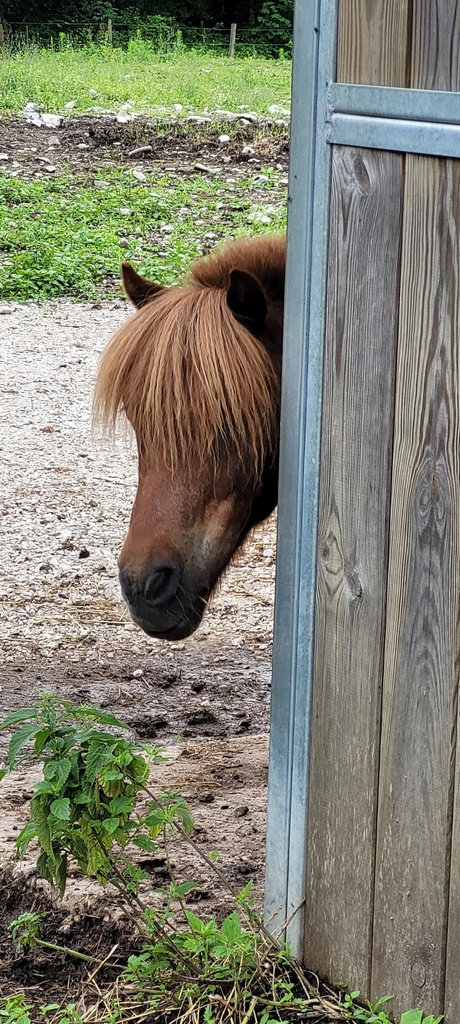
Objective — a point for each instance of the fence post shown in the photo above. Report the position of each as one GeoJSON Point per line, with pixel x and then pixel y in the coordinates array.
{"type": "Point", "coordinates": [109, 32]}
{"type": "Point", "coordinates": [231, 45]}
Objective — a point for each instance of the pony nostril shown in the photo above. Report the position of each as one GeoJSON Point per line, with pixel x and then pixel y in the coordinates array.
{"type": "Point", "coordinates": [161, 584]}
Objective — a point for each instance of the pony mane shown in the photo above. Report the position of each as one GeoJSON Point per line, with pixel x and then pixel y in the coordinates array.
{"type": "Point", "coordinates": [192, 380]}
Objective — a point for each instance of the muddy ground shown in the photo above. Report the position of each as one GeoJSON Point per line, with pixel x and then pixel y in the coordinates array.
{"type": "Point", "coordinates": [65, 499]}
{"type": "Point", "coordinates": [84, 142]}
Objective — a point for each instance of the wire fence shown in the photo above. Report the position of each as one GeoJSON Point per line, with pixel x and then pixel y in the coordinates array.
{"type": "Point", "coordinates": [161, 33]}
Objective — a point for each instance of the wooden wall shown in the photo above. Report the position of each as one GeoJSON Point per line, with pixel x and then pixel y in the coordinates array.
{"type": "Point", "coordinates": [383, 888]}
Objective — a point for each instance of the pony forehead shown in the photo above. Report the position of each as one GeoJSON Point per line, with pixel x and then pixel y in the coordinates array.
{"type": "Point", "coordinates": [191, 379]}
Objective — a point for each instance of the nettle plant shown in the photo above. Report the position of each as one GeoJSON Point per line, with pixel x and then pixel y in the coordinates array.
{"type": "Point", "coordinates": [94, 807]}
{"type": "Point", "coordinates": [86, 809]}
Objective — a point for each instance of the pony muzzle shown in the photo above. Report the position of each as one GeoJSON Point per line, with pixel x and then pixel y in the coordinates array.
{"type": "Point", "coordinates": [160, 603]}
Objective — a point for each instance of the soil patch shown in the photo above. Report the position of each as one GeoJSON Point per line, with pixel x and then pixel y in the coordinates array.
{"type": "Point", "coordinates": [84, 142]}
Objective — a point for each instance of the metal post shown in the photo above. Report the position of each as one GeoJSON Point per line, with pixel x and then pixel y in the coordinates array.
{"type": "Point", "coordinates": [231, 45]}
{"type": "Point", "coordinates": [309, 185]}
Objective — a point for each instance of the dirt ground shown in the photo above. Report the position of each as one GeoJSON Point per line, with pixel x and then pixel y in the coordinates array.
{"type": "Point", "coordinates": [83, 142]}
{"type": "Point", "coordinates": [65, 499]}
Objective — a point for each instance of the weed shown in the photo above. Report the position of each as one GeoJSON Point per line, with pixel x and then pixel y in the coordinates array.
{"type": "Point", "coordinates": [85, 809]}
{"type": "Point", "coordinates": [14, 1010]}
{"type": "Point", "coordinates": [65, 237]}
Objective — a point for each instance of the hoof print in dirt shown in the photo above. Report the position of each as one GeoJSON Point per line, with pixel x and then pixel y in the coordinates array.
{"type": "Point", "coordinates": [149, 728]}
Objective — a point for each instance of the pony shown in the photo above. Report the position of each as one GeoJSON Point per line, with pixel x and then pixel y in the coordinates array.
{"type": "Point", "coordinates": [197, 371]}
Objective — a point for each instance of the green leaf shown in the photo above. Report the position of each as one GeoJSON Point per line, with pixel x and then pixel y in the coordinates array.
{"type": "Point", "coordinates": [144, 843]}
{"type": "Point", "coordinates": [110, 824]}
{"type": "Point", "coordinates": [195, 922]}
{"type": "Point", "coordinates": [60, 872]}
{"type": "Point", "coordinates": [45, 867]}
{"type": "Point", "coordinates": [184, 888]}
{"type": "Point", "coordinates": [381, 1002]}
{"type": "Point", "coordinates": [41, 740]}
{"type": "Point", "coordinates": [82, 798]}
{"type": "Point", "coordinates": [101, 717]}
{"type": "Point", "coordinates": [44, 786]}
{"type": "Point", "coordinates": [121, 804]}
{"type": "Point", "coordinates": [39, 810]}
{"type": "Point", "coordinates": [138, 769]}
{"type": "Point", "coordinates": [60, 808]}
{"type": "Point", "coordinates": [416, 1017]}
{"type": "Point", "coordinates": [19, 739]}
{"type": "Point", "coordinates": [97, 757]}
{"type": "Point", "coordinates": [62, 771]}
{"type": "Point", "coordinates": [18, 716]}
{"type": "Point", "coordinates": [23, 839]}
{"type": "Point", "coordinates": [231, 928]}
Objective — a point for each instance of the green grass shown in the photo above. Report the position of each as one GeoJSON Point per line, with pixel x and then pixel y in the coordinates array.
{"type": "Point", "coordinates": [138, 75]}
{"type": "Point", "coordinates": [62, 237]}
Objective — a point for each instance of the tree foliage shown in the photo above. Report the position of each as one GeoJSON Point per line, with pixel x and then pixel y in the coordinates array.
{"type": "Point", "coordinates": [267, 22]}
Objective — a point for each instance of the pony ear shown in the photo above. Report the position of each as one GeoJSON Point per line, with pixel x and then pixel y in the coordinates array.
{"type": "Point", "coordinates": [138, 290]}
{"type": "Point", "coordinates": [246, 299]}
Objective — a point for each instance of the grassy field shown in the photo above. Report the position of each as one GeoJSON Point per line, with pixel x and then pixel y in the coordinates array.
{"type": "Point", "coordinates": [60, 236]}
{"type": "Point", "coordinates": [68, 234]}
{"type": "Point", "coordinates": [151, 82]}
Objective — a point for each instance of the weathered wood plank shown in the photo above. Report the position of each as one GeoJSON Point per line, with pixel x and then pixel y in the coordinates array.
{"type": "Point", "coordinates": [354, 507]}
{"type": "Point", "coordinates": [418, 727]}
{"type": "Point", "coordinates": [435, 57]}
{"type": "Point", "coordinates": [372, 42]}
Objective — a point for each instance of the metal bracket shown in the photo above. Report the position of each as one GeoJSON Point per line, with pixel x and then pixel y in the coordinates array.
{"type": "Point", "coordinates": [402, 120]}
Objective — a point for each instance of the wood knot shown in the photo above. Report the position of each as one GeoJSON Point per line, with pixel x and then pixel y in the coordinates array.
{"type": "Point", "coordinates": [353, 580]}
{"type": "Point", "coordinates": [361, 175]}
{"type": "Point", "coordinates": [418, 973]}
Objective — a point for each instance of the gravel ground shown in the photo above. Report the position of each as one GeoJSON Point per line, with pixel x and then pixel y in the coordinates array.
{"type": "Point", "coordinates": [65, 503]}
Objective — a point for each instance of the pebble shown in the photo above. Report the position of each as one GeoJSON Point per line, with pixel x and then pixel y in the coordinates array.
{"type": "Point", "coordinates": [247, 151]}
{"type": "Point", "coordinates": [70, 105]}
{"type": "Point", "coordinates": [276, 109]}
{"type": "Point", "coordinates": [224, 138]}
{"type": "Point", "coordinates": [51, 120]}
{"type": "Point", "coordinates": [240, 812]}
{"type": "Point", "coordinates": [138, 673]}
{"type": "Point", "coordinates": [139, 175]}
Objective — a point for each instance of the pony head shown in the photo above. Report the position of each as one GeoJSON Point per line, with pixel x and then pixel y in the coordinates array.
{"type": "Point", "coordinates": [196, 371]}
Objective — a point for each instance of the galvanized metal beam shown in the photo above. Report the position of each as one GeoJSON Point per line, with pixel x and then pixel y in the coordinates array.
{"type": "Point", "coordinates": [381, 101]}
{"type": "Point", "coordinates": [403, 136]}
{"type": "Point", "coordinates": [315, 37]}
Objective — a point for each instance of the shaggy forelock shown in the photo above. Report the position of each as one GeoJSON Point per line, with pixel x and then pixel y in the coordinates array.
{"type": "Point", "coordinates": [192, 380]}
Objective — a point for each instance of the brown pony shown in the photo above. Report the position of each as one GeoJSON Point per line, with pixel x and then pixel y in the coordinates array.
{"type": "Point", "coordinates": [197, 372]}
